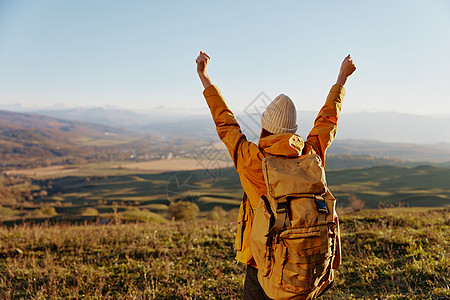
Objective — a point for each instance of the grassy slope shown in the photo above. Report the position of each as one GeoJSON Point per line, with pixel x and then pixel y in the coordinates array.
{"type": "Point", "coordinates": [418, 186]}
{"type": "Point", "coordinates": [103, 188]}
{"type": "Point", "coordinates": [387, 254]}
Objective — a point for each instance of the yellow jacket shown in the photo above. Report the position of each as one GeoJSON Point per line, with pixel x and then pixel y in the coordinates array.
{"type": "Point", "coordinates": [247, 156]}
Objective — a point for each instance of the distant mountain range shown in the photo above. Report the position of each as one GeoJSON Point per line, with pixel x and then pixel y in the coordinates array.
{"type": "Point", "coordinates": [112, 115]}
{"type": "Point", "coordinates": [401, 152]}
{"type": "Point", "coordinates": [71, 135]}
{"type": "Point", "coordinates": [385, 127]}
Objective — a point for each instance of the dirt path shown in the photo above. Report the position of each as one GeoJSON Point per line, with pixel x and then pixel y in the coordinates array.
{"type": "Point", "coordinates": [162, 165]}
{"type": "Point", "coordinates": [176, 164]}
{"type": "Point", "coordinates": [44, 171]}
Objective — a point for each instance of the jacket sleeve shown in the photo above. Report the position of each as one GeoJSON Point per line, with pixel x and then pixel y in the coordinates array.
{"type": "Point", "coordinates": [325, 125]}
{"type": "Point", "coordinates": [227, 127]}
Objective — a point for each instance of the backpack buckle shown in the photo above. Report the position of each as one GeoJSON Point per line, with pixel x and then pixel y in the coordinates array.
{"type": "Point", "coordinates": [320, 204]}
{"type": "Point", "coordinates": [282, 207]}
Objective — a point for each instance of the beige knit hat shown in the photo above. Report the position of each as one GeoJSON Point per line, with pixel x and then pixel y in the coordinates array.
{"type": "Point", "coordinates": [280, 116]}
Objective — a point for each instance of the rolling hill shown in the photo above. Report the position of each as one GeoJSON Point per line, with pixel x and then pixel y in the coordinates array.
{"type": "Point", "coordinates": [388, 127]}
{"type": "Point", "coordinates": [28, 140]}
{"type": "Point", "coordinates": [31, 140]}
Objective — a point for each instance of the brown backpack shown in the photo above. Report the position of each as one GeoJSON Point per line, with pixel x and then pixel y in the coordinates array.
{"type": "Point", "coordinates": [295, 232]}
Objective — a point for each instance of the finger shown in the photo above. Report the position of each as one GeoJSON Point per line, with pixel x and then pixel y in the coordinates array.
{"type": "Point", "coordinates": [204, 58]}
{"type": "Point", "coordinates": [201, 59]}
{"type": "Point", "coordinates": [204, 55]}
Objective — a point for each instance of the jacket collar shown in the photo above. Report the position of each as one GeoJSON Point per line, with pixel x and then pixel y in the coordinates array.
{"type": "Point", "coordinates": [282, 144]}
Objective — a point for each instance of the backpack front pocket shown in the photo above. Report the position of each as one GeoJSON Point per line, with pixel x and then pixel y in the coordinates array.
{"type": "Point", "coordinates": [303, 263]}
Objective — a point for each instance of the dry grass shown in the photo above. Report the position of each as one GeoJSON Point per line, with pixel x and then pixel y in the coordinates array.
{"type": "Point", "coordinates": [171, 261]}
{"type": "Point", "coordinates": [387, 254]}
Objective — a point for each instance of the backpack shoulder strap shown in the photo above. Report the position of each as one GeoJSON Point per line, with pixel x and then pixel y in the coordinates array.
{"type": "Point", "coordinates": [282, 218]}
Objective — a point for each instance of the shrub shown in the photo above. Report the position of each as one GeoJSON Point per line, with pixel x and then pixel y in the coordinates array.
{"type": "Point", "coordinates": [217, 213]}
{"type": "Point", "coordinates": [355, 204]}
{"type": "Point", "coordinates": [48, 211]}
{"type": "Point", "coordinates": [135, 214]}
{"type": "Point", "coordinates": [90, 211]}
{"type": "Point", "coordinates": [45, 211]}
{"type": "Point", "coordinates": [183, 210]}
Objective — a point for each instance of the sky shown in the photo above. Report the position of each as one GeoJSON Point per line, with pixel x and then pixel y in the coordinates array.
{"type": "Point", "coordinates": [141, 54]}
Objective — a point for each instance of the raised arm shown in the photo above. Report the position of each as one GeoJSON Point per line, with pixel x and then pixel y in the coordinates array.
{"type": "Point", "coordinates": [325, 125]}
{"type": "Point", "coordinates": [202, 69]}
{"type": "Point", "coordinates": [227, 127]}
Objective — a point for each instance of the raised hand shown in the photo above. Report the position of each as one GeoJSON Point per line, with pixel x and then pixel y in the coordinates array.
{"type": "Point", "coordinates": [202, 67]}
{"type": "Point", "coordinates": [347, 69]}
{"type": "Point", "coordinates": [348, 66]}
{"type": "Point", "coordinates": [202, 62]}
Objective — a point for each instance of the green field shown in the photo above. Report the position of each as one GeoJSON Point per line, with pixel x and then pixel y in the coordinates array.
{"type": "Point", "coordinates": [418, 186]}
{"type": "Point", "coordinates": [400, 253]}
{"type": "Point", "coordinates": [99, 189]}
